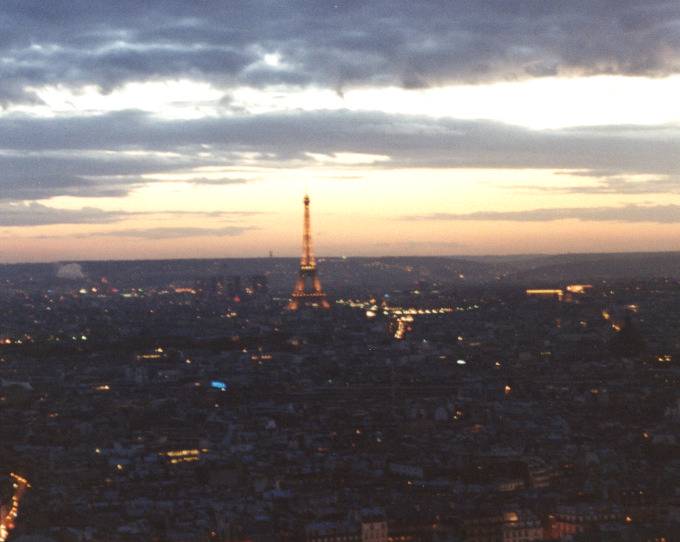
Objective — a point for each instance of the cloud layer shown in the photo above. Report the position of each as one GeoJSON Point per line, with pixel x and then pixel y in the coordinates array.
{"type": "Point", "coordinates": [660, 214]}
{"type": "Point", "coordinates": [107, 155]}
{"type": "Point", "coordinates": [175, 233]}
{"type": "Point", "coordinates": [330, 44]}
{"type": "Point", "coordinates": [37, 214]}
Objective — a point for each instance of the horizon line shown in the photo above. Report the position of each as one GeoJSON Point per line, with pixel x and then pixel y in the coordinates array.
{"type": "Point", "coordinates": [346, 257]}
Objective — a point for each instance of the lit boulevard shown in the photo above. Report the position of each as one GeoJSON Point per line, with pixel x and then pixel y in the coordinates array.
{"type": "Point", "coordinates": [20, 485]}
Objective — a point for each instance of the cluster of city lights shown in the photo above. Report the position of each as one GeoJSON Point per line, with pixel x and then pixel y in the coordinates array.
{"type": "Point", "coordinates": [20, 485]}
{"type": "Point", "coordinates": [402, 316]}
{"type": "Point", "coordinates": [20, 340]}
{"type": "Point", "coordinates": [183, 456]}
{"type": "Point", "coordinates": [372, 307]}
{"type": "Point", "coordinates": [558, 292]}
{"type": "Point", "coordinates": [156, 354]}
{"type": "Point", "coordinates": [185, 290]}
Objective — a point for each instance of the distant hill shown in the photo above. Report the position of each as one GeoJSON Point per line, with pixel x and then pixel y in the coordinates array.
{"type": "Point", "coordinates": [588, 267]}
{"type": "Point", "coordinates": [355, 273]}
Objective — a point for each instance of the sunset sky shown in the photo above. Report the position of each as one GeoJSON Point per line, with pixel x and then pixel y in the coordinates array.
{"type": "Point", "coordinates": [163, 129]}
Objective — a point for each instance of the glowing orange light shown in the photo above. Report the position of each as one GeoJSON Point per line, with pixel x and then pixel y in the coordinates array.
{"type": "Point", "coordinates": [545, 292]}
{"type": "Point", "coordinates": [307, 288]}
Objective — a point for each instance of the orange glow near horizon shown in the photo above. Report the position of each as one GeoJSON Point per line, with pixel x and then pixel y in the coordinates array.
{"type": "Point", "coordinates": [364, 205]}
{"type": "Point", "coordinates": [360, 235]}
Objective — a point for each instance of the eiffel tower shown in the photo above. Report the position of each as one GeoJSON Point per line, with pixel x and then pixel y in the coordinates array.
{"type": "Point", "coordinates": [307, 291]}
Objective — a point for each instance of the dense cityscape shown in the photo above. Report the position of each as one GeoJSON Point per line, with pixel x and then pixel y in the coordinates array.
{"type": "Point", "coordinates": [186, 401]}
{"type": "Point", "coordinates": [339, 271]}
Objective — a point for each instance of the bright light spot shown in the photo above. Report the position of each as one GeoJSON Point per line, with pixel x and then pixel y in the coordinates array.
{"type": "Point", "coordinates": [348, 158]}
{"type": "Point", "coordinates": [544, 103]}
{"type": "Point", "coordinates": [272, 59]}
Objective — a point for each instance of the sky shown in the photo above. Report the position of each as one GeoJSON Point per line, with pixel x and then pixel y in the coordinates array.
{"type": "Point", "coordinates": [174, 129]}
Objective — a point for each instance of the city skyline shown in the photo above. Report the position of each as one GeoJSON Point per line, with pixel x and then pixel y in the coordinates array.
{"type": "Point", "coordinates": [339, 271]}
{"type": "Point", "coordinates": [180, 131]}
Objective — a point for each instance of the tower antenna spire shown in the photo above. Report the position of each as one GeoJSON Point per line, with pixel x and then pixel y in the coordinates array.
{"type": "Point", "coordinates": [307, 290]}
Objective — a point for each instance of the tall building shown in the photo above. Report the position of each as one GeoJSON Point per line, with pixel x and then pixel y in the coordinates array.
{"type": "Point", "coordinates": [307, 291]}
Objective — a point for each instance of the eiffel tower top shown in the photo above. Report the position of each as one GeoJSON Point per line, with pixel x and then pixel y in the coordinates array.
{"type": "Point", "coordinates": [307, 261]}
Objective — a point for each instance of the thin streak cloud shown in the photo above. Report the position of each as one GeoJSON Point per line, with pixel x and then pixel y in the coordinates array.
{"type": "Point", "coordinates": [36, 214]}
{"type": "Point", "coordinates": [661, 214]}
{"type": "Point", "coordinates": [175, 233]}
{"type": "Point", "coordinates": [615, 185]}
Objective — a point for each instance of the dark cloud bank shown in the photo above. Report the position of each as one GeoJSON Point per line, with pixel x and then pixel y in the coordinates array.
{"type": "Point", "coordinates": [331, 44]}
